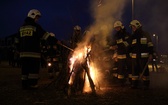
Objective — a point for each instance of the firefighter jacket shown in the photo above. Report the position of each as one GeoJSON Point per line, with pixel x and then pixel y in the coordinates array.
{"type": "Point", "coordinates": [122, 41]}
{"type": "Point", "coordinates": [141, 44]}
{"type": "Point", "coordinates": [53, 50]}
{"type": "Point", "coordinates": [30, 35]}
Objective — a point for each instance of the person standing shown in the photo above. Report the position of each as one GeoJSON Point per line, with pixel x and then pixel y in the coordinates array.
{"type": "Point", "coordinates": [76, 37]}
{"type": "Point", "coordinates": [120, 44]}
{"type": "Point", "coordinates": [154, 62]}
{"type": "Point", "coordinates": [53, 58]}
{"type": "Point", "coordinates": [30, 35]}
{"type": "Point", "coordinates": [142, 50]}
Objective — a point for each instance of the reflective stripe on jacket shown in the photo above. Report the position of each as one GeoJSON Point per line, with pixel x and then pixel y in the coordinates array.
{"type": "Point", "coordinates": [143, 55]}
{"type": "Point", "coordinates": [123, 56]}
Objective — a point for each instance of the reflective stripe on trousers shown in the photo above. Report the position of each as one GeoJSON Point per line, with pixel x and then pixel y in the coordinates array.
{"type": "Point", "coordinates": [24, 77]}
{"type": "Point", "coordinates": [135, 78]}
{"type": "Point", "coordinates": [33, 76]}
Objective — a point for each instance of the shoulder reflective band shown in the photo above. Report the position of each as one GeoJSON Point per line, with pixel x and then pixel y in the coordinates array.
{"type": "Point", "coordinates": [119, 41]}
{"type": "Point", "coordinates": [46, 35]}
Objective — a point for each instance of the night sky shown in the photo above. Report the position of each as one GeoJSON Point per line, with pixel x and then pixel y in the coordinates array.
{"type": "Point", "coordinates": [59, 16]}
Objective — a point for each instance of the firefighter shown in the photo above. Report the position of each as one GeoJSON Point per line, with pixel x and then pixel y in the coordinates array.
{"type": "Point", "coordinates": [53, 57]}
{"type": "Point", "coordinates": [76, 37]}
{"type": "Point", "coordinates": [30, 34]}
{"type": "Point", "coordinates": [142, 50]}
{"type": "Point", "coordinates": [120, 44]}
{"type": "Point", "coordinates": [43, 54]}
{"type": "Point", "coordinates": [78, 79]}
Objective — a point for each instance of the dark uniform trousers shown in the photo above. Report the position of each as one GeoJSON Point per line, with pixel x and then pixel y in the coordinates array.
{"type": "Point", "coordinates": [55, 67]}
{"type": "Point", "coordinates": [122, 68]}
{"type": "Point", "coordinates": [138, 67]}
{"type": "Point", "coordinates": [30, 71]}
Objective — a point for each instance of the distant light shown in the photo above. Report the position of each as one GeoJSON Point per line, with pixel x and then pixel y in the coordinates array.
{"type": "Point", "coordinates": [154, 34]}
{"type": "Point", "coordinates": [49, 64]}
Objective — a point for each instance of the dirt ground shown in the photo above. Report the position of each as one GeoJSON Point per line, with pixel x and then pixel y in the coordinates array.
{"type": "Point", "coordinates": [12, 94]}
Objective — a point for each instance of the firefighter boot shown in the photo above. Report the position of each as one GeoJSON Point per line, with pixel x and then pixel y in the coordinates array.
{"type": "Point", "coordinates": [33, 84]}
{"type": "Point", "coordinates": [130, 81]}
{"type": "Point", "coordinates": [51, 76]}
{"type": "Point", "coordinates": [25, 84]}
{"type": "Point", "coordinates": [135, 84]}
{"type": "Point", "coordinates": [56, 74]}
{"type": "Point", "coordinates": [122, 82]}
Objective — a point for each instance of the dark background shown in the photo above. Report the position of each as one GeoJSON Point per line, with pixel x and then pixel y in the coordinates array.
{"type": "Point", "coordinates": [60, 16]}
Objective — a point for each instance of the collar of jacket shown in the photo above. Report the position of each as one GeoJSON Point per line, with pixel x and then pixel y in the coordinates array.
{"type": "Point", "coordinates": [29, 20]}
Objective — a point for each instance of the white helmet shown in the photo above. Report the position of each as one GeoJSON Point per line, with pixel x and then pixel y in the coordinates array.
{"type": "Point", "coordinates": [118, 24]}
{"type": "Point", "coordinates": [33, 13]}
{"type": "Point", "coordinates": [77, 27]}
{"type": "Point", "coordinates": [135, 23]}
{"type": "Point", "coordinates": [52, 34]}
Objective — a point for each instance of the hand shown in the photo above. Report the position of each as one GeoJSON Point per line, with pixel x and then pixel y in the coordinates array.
{"type": "Point", "coordinates": [113, 47]}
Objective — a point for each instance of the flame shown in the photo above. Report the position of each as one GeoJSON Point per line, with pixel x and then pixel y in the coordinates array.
{"type": "Point", "coordinates": [79, 56]}
{"type": "Point", "coordinates": [94, 75]}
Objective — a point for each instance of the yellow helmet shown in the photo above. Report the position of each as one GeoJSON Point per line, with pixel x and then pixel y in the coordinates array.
{"type": "Point", "coordinates": [33, 13]}
{"type": "Point", "coordinates": [135, 23]}
{"type": "Point", "coordinates": [77, 28]}
{"type": "Point", "coordinates": [118, 24]}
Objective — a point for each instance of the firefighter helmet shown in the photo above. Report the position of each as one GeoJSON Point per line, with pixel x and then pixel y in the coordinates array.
{"type": "Point", "coordinates": [135, 23]}
{"type": "Point", "coordinates": [118, 24]}
{"type": "Point", "coordinates": [77, 28]}
{"type": "Point", "coordinates": [33, 13]}
{"type": "Point", "coordinates": [52, 34]}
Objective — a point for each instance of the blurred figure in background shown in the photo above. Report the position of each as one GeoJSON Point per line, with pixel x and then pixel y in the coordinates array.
{"type": "Point", "coordinates": [76, 37]}
{"type": "Point", "coordinates": [154, 62]}
{"type": "Point", "coordinates": [53, 58]}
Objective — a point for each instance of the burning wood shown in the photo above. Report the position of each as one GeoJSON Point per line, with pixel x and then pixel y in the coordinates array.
{"type": "Point", "coordinates": [81, 58]}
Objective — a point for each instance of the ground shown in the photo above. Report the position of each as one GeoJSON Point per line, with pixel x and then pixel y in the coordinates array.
{"type": "Point", "coordinates": [11, 92]}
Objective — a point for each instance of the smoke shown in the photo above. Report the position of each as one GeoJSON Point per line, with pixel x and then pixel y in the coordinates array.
{"type": "Point", "coordinates": [154, 19]}
{"type": "Point", "coordinates": [104, 13]}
